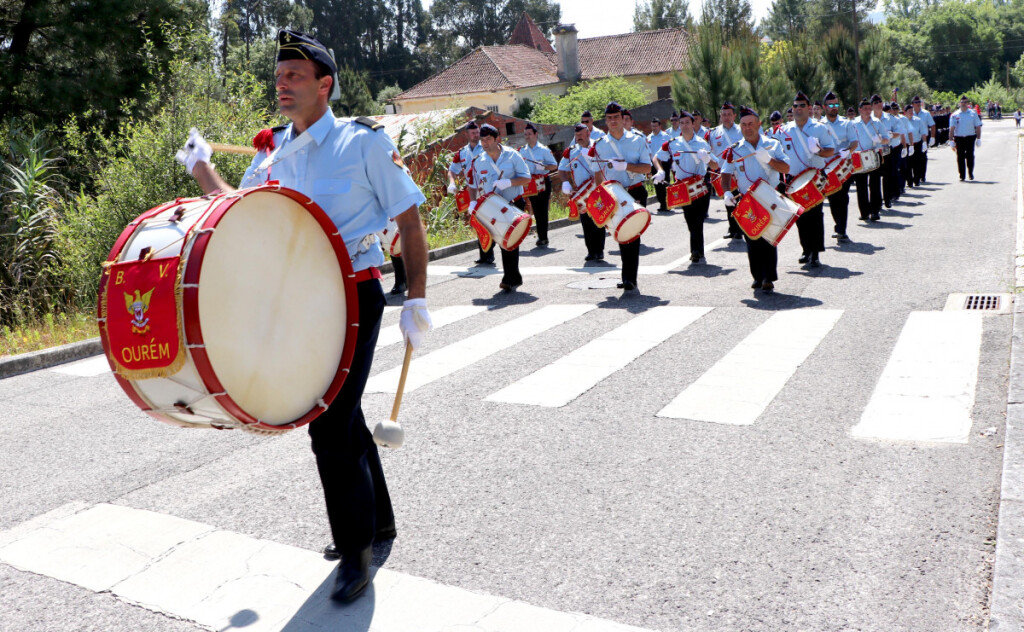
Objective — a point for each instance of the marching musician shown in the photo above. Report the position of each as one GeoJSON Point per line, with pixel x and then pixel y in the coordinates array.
{"type": "Point", "coordinates": [889, 157]}
{"type": "Point", "coordinates": [655, 141]}
{"type": "Point", "coordinates": [870, 136]}
{"type": "Point", "coordinates": [588, 119]}
{"type": "Point", "coordinates": [627, 121]}
{"type": "Point", "coordinates": [916, 135]}
{"type": "Point", "coordinates": [500, 169]}
{"type": "Point", "coordinates": [904, 152]}
{"type": "Point", "coordinates": [674, 120]}
{"type": "Point", "coordinates": [755, 157]}
{"type": "Point", "coordinates": [846, 142]}
{"type": "Point", "coordinates": [625, 158]}
{"type": "Point", "coordinates": [789, 115]}
{"type": "Point", "coordinates": [807, 146]}
{"type": "Point", "coordinates": [540, 161]}
{"type": "Point", "coordinates": [576, 171]}
{"type": "Point", "coordinates": [817, 110]}
{"type": "Point", "coordinates": [698, 124]}
{"type": "Point", "coordinates": [689, 155]}
{"type": "Point", "coordinates": [930, 141]}
{"type": "Point", "coordinates": [720, 139]}
{"type": "Point", "coordinates": [965, 127]}
{"type": "Point", "coordinates": [851, 114]}
{"type": "Point", "coordinates": [775, 127]}
{"type": "Point", "coordinates": [352, 170]}
{"type": "Point", "coordinates": [460, 168]}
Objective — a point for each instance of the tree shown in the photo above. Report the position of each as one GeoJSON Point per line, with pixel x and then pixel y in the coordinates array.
{"type": "Point", "coordinates": [785, 19]}
{"type": "Point", "coordinates": [765, 86]}
{"type": "Point", "coordinates": [593, 96]}
{"type": "Point", "coordinates": [964, 47]}
{"type": "Point", "coordinates": [355, 99]}
{"type": "Point", "coordinates": [710, 76]}
{"type": "Point", "coordinates": [822, 15]}
{"type": "Point", "coordinates": [733, 17]}
{"type": "Point", "coordinates": [802, 63]}
{"type": "Point", "coordinates": [650, 15]}
{"type": "Point", "coordinates": [468, 24]}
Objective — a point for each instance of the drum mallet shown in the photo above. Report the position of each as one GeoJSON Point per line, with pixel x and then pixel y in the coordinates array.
{"type": "Point", "coordinates": [388, 433]}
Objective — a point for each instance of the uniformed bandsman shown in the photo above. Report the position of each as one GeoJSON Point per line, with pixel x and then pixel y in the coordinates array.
{"type": "Point", "coordinates": [817, 112]}
{"type": "Point", "coordinates": [699, 128]}
{"type": "Point", "coordinates": [901, 133]}
{"type": "Point", "coordinates": [501, 170]}
{"type": "Point", "coordinates": [965, 126]}
{"type": "Point", "coordinates": [352, 170]}
{"type": "Point", "coordinates": [460, 169]}
{"type": "Point", "coordinates": [929, 122]}
{"type": "Point", "coordinates": [627, 120]}
{"type": "Point", "coordinates": [918, 139]}
{"type": "Point", "coordinates": [775, 127]}
{"type": "Point", "coordinates": [577, 171]}
{"type": "Point", "coordinates": [767, 160]}
{"type": "Point", "coordinates": [889, 152]}
{"type": "Point", "coordinates": [624, 157]}
{"type": "Point", "coordinates": [588, 119]}
{"type": "Point", "coordinates": [808, 146]}
{"type": "Point", "coordinates": [720, 139]}
{"type": "Point", "coordinates": [870, 136]}
{"type": "Point", "coordinates": [689, 155]}
{"type": "Point", "coordinates": [673, 131]}
{"type": "Point", "coordinates": [540, 161]}
{"type": "Point", "coordinates": [846, 141]}
{"type": "Point", "coordinates": [655, 141]}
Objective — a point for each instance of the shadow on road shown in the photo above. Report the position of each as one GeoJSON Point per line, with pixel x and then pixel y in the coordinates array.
{"type": "Point", "coordinates": [504, 299]}
{"type": "Point", "coordinates": [538, 252]}
{"type": "Point", "coordinates": [895, 213]}
{"type": "Point", "coordinates": [632, 302]}
{"type": "Point", "coordinates": [826, 271]}
{"type": "Point", "coordinates": [319, 613]}
{"type": "Point", "coordinates": [777, 301]}
{"type": "Point", "coordinates": [885, 224]}
{"type": "Point", "coordinates": [705, 270]}
{"type": "Point", "coordinates": [859, 247]}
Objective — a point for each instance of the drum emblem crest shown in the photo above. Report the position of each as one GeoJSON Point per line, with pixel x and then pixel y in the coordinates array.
{"type": "Point", "coordinates": [137, 306]}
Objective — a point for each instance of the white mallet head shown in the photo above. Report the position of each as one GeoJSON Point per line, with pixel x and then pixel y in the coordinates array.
{"type": "Point", "coordinates": [388, 434]}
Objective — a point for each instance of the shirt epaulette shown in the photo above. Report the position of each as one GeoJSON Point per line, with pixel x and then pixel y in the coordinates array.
{"type": "Point", "coordinates": [369, 122]}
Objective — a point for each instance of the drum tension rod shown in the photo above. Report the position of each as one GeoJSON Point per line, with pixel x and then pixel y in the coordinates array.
{"type": "Point", "coordinates": [182, 407]}
{"type": "Point", "coordinates": [179, 213]}
{"type": "Point", "coordinates": [144, 253]}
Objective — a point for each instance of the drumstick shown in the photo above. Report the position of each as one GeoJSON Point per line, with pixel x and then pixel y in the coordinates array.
{"type": "Point", "coordinates": [233, 149]}
{"type": "Point", "coordinates": [389, 433]}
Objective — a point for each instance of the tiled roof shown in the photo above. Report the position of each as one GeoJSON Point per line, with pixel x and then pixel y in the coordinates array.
{"type": "Point", "coordinates": [492, 68]}
{"type": "Point", "coordinates": [527, 34]}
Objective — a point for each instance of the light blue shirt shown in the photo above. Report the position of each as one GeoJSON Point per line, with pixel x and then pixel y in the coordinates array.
{"type": "Point", "coordinates": [352, 172]}
{"type": "Point", "coordinates": [484, 172]}
{"type": "Point", "coordinates": [926, 116]}
{"type": "Point", "coordinates": [965, 123]}
{"type": "Point", "coordinates": [749, 171]}
{"type": "Point", "coordinates": [685, 165]}
{"type": "Point", "coordinates": [702, 131]}
{"type": "Point", "coordinates": [721, 138]}
{"type": "Point", "coordinates": [673, 132]}
{"type": "Point", "coordinates": [574, 160]}
{"type": "Point", "coordinates": [797, 147]}
{"type": "Point", "coordinates": [655, 141]}
{"type": "Point", "coordinates": [463, 158]}
{"type": "Point", "coordinates": [863, 133]}
{"type": "Point", "coordinates": [778, 134]}
{"type": "Point", "coordinates": [631, 147]}
{"type": "Point", "coordinates": [841, 132]}
{"type": "Point", "coordinates": [918, 128]}
{"type": "Point", "coordinates": [537, 154]}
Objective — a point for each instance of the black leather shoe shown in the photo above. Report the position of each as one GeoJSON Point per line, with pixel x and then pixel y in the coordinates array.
{"type": "Point", "coordinates": [971, 176]}
{"type": "Point", "coordinates": [804, 258]}
{"type": "Point", "coordinates": [815, 263]}
{"type": "Point", "coordinates": [768, 287]}
{"type": "Point", "coordinates": [590, 257]}
{"type": "Point", "coordinates": [737, 235]}
{"type": "Point", "coordinates": [842, 238]}
{"type": "Point", "coordinates": [888, 204]}
{"type": "Point", "coordinates": [875, 217]}
{"type": "Point", "coordinates": [599, 257]}
{"type": "Point", "coordinates": [484, 262]}
{"type": "Point", "coordinates": [400, 288]}
{"type": "Point", "coordinates": [835, 235]}
{"type": "Point", "coordinates": [727, 236]}
{"type": "Point", "coordinates": [387, 532]}
{"type": "Point", "coordinates": [626, 285]}
{"type": "Point", "coordinates": [756, 285]}
{"type": "Point", "coordinates": [353, 576]}
{"type": "Point", "coordinates": [542, 243]}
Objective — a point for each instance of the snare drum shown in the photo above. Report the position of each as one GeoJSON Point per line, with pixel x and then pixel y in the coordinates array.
{"type": "Point", "coordinates": [233, 311]}
{"type": "Point", "coordinates": [865, 161]}
{"type": "Point", "coordinates": [837, 172]}
{"type": "Point", "coordinates": [534, 186]}
{"type": "Point", "coordinates": [462, 200]}
{"type": "Point", "coordinates": [685, 191]}
{"type": "Point", "coordinates": [578, 200]}
{"type": "Point", "coordinates": [629, 222]}
{"type": "Point", "coordinates": [885, 150]}
{"type": "Point", "coordinates": [716, 184]}
{"type": "Point", "coordinates": [390, 239]}
{"type": "Point", "coordinates": [764, 213]}
{"type": "Point", "coordinates": [607, 201]}
{"type": "Point", "coordinates": [507, 224]}
{"type": "Point", "coordinates": [806, 188]}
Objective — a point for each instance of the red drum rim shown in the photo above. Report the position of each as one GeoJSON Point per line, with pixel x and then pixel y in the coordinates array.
{"type": "Point", "coordinates": [506, 245]}
{"type": "Point", "coordinates": [626, 219]}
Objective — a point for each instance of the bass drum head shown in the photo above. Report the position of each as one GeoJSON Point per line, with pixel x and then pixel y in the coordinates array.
{"type": "Point", "coordinates": [272, 307]}
{"type": "Point", "coordinates": [518, 231]}
{"type": "Point", "coordinates": [633, 226]}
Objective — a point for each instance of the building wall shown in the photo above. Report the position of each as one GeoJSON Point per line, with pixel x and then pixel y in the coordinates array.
{"type": "Point", "coordinates": [651, 83]}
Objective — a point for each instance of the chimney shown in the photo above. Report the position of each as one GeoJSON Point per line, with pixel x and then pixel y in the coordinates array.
{"type": "Point", "coordinates": [568, 53]}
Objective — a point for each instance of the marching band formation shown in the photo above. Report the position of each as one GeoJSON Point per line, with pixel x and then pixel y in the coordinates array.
{"type": "Point", "coordinates": [770, 178]}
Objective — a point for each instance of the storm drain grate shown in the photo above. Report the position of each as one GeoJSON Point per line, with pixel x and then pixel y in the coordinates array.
{"type": "Point", "coordinates": [984, 302]}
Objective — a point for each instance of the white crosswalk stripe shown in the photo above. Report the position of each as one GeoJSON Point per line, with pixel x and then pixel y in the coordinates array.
{"type": "Point", "coordinates": [441, 318]}
{"type": "Point", "coordinates": [738, 388]}
{"type": "Point", "coordinates": [926, 391]}
{"type": "Point", "coordinates": [448, 360]}
{"type": "Point", "coordinates": [89, 367]}
{"type": "Point", "coordinates": [570, 376]}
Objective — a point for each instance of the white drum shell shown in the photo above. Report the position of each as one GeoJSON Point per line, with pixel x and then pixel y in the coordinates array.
{"type": "Point", "coordinates": [507, 224]}
{"type": "Point", "coordinates": [784, 211]}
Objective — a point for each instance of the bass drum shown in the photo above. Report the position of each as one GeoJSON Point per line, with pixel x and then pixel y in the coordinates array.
{"type": "Point", "coordinates": [230, 311]}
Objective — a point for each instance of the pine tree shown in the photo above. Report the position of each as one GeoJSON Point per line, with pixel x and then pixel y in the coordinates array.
{"type": "Point", "coordinates": [650, 15]}
{"type": "Point", "coordinates": [710, 76]}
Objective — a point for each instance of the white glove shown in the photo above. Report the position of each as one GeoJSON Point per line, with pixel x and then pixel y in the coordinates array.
{"type": "Point", "coordinates": [910, 150]}
{"type": "Point", "coordinates": [566, 188]}
{"type": "Point", "coordinates": [762, 156]}
{"type": "Point", "coordinates": [951, 143]}
{"type": "Point", "coordinates": [903, 153]}
{"type": "Point", "coordinates": [659, 177]}
{"type": "Point", "coordinates": [730, 199]}
{"type": "Point", "coordinates": [844, 153]}
{"type": "Point", "coordinates": [196, 150]}
{"type": "Point", "coordinates": [931, 141]}
{"type": "Point", "coordinates": [924, 148]}
{"type": "Point", "coordinates": [977, 143]}
{"type": "Point", "coordinates": [502, 184]}
{"type": "Point", "coordinates": [813, 145]}
{"type": "Point", "coordinates": [876, 140]}
{"type": "Point", "coordinates": [451, 188]}
{"type": "Point", "coordinates": [617, 165]}
{"type": "Point", "coordinates": [415, 321]}
{"type": "Point", "coordinates": [703, 156]}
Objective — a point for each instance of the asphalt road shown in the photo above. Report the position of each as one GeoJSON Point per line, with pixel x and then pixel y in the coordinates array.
{"type": "Point", "coordinates": [601, 506]}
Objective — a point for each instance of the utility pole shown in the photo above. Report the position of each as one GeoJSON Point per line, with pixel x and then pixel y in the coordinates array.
{"type": "Point", "coordinates": [856, 50]}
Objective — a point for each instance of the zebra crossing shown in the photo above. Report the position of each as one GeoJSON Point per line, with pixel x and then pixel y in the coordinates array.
{"type": "Point", "coordinates": [925, 393]}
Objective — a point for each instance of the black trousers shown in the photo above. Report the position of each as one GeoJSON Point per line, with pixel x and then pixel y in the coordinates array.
{"type": "Point", "coordinates": [869, 192]}
{"type": "Point", "coordinates": [399, 270]}
{"type": "Point", "coordinates": [510, 258]}
{"type": "Point", "coordinates": [346, 456]}
{"type": "Point", "coordinates": [839, 205]}
{"type": "Point", "coordinates": [593, 236]}
{"type": "Point", "coordinates": [694, 214]}
{"type": "Point", "coordinates": [811, 227]}
{"type": "Point", "coordinates": [541, 203]}
{"type": "Point", "coordinates": [965, 154]}
{"type": "Point", "coordinates": [890, 186]}
{"type": "Point", "coordinates": [486, 256]}
{"type": "Point", "coordinates": [661, 190]}
{"type": "Point", "coordinates": [902, 170]}
{"type": "Point", "coordinates": [734, 228]}
{"type": "Point", "coordinates": [630, 253]}
{"type": "Point", "coordinates": [924, 161]}
{"type": "Point", "coordinates": [763, 258]}
{"type": "Point", "coordinates": [917, 163]}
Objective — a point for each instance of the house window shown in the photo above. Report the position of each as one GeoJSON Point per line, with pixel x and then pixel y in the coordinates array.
{"type": "Point", "coordinates": [492, 108]}
{"type": "Point", "coordinates": [510, 129]}
{"type": "Point", "coordinates": [664, 92]}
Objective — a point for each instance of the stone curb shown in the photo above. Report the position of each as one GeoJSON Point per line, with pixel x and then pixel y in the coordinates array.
{"type": "Point", "coordinates": [1006, 604]}
{"type": "Point", "coordinates": [46, 358]}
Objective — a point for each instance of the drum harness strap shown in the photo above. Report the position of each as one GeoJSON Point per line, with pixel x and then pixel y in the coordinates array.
{"type": "Point", "coordinates": [803, 143]}
{"type": "Point", "coordinates": [686, 147]}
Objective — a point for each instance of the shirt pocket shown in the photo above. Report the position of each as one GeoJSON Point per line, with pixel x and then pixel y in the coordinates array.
{"type": "Point", "coordinates": [332, 186]}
